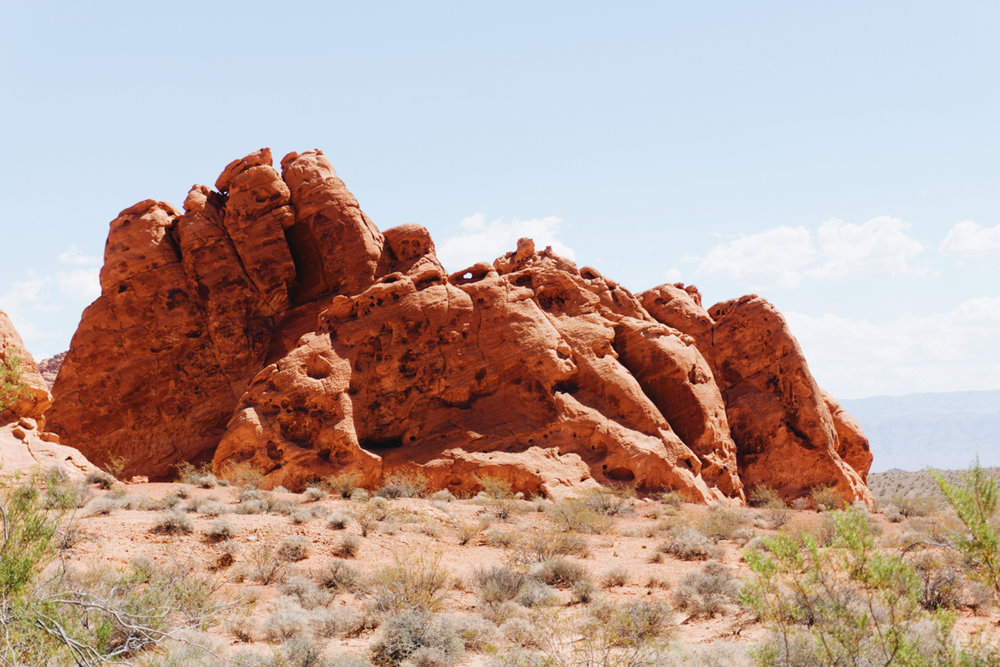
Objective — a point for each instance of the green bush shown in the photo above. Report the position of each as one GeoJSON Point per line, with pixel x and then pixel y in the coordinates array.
{"type": "Point", "coordinates": [12, 388]}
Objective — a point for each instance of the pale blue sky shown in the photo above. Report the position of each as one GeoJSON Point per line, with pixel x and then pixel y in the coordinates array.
{"type": "Point", "coordinates": [711, 143]}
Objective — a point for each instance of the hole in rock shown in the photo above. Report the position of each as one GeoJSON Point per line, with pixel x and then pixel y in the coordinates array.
{"type": "Point", "coordinates": [377, 445]}
{"type": "Point", "coordinates": [567, 387]}
{"type": "Point", "coordinates": [122, 288]}
{"type": "Point", "coordinates": [620, 475]}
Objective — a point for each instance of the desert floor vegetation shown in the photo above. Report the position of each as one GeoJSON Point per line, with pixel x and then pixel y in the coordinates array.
{"type": "Point", "coordinates": [220, 571]}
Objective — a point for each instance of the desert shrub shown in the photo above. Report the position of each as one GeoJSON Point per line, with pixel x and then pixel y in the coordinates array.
{"type": "Point", "coordinates": [337, 520]}
{"type": "Point", "coordinates": [103, 506]}
{"type": "Point", "coordinates": [498, 584]}
{"type": "Point", "coordinates": [614, 577]}
{"type": "Point", "coordinates": [264, 566]}
{"type": "Point", "coordinates": [521, 632]}
{"type": "Point", "coordinates": [250, 507]}
{"type": "Point", "coordinates": [706, 593]}
{"type": "Point", "coordinates": [313, 493]}
{"type": "Point", "coordinates": [672, 499]}
{"type": "Point", "coordinates": [347, 547]}
{"type": "Point", "coordinates": [762, 496]}
{"type": "Point", "coordinates": [689, 544]}
{"type": "Point", "coordinates": [370, 513]}
{"type": "Point", "coordinates": [627, 635]}
{"type": "Point", "coordinates": [242, 628]}
{"type": "Point", "coordinates": [211, 508]}
{"type": "Point", "coordinates": [633, 622]}
{"type": "Point", "coordinates": [338, 576]}
{"type": "Point", "coordinates": [286, 621]}
{"type": "Point", "coordinates": [826, 498]}
{"type": "Point", "coordinates": [975, 502]}
{"type": "Point", "coordinates": [560, 572]}
{"type": "Point", "coordinates": [173, 522]}
{"type": "Point", "coordinates": [536, 593]}
{"type": "Point", "coordinates": [197, 475]}
{"type": "Point", "coordinates": [535, 546]}
{"type": "Point", "coordinates": [575, 515]}
{"type": "Point", "coordinates": [308, 594]}
{"type": "Point", "coordinates": [609, 501]}
{"type": "Point", "coordinates": [404, 635]}
{"type": "Point", "coordinates": [226, 555]}
{"type": "Point", "coordinates": [844, 604]}
{"type": "Point", "coordinates": [408, 483]}
{"type": "Point", "coordinates": [443, 496]}
{"type": "Point", "coordinates": [219, 530]}
{"type": "Point", "coordinates": [501, 537]}
{"type": "Point", "coordinates": [12, 387]}
{"type": "Point", "coordinates": [100, 478]}
{"type": "Point", "coordinates": [299, 517]}
{"type": "Point", "coordinates": [102, 614]}
{"type": "Point", "coordinates": [336, 621]}
{"type": "Point", "coordinates": [343, 484]}
{"type": "Point", "coordinates": [294, 548]}
{"type": "Point", "coordinates": [721, 522]}
{"type": "Point", "coordinates": [465, 531]}
{"type": "Point", "coordinates": [414, 582]}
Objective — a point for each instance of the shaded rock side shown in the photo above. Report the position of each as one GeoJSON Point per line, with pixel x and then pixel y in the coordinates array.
{"type": "Point", "coordinates": [518, 370]}
{"type": "Point", "coordinates": [194, 304]}
{"type": "Point", "coordinates": [789, 434]}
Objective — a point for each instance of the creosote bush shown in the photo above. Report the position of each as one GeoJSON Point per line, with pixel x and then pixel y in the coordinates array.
{"type": "Point", "coordinates": [294, 548]}
{"type": "Point", "coordinates": [412, 582]}
{"type": "Point", "coordinates": [707, 592]}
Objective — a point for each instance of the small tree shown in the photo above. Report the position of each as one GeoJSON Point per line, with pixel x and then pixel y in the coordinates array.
{"type": "Point", "coordinates": [12, 388]}
{"type": "Point", "coordinates": [975, 501]}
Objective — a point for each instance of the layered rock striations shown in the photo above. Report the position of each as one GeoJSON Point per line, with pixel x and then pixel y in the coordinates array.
{"type": "Point", "coordinates": [271, 324]}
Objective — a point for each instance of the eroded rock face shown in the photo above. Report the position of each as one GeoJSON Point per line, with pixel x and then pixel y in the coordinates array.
{"type": "Point", "coordinates": [271, 324]}
{"type": "Point", "coordinates": [789, 434]}
{"type": "Point", "coordinates": [49, 368]}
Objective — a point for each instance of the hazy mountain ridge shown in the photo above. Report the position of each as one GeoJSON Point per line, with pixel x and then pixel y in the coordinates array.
{"type": "Point", "coordinates": [940, 430]}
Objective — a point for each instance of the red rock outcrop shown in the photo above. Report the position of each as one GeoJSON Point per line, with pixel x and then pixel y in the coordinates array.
{"type": "Point", "coordinates": [271, 324]}
{"type": "Point", "coordinates": [25, 446]}
{"type": "Point", "coordinates": [789, 434]}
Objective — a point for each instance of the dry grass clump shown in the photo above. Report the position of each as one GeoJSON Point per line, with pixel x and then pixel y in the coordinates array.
{"type": "Point", "coordinates": [102, 479]}
{"type": "Point", "coordinates": [826, 498]}
{"type": "Point", "coordinates": [300, 516]}
{"type": "Point", "coordinates": [337, 621]}
{"type": "Point", "coordinates": [308, 594]}
{"type": "Point", "coordinates": [560, 572]}
{"type": "Point", "coordinates": [173, 522]}
{"type": "Point", "coordinates": [264, 567]}
{"type": "Point", "coordinates": [294, 548]}
{"type": "Point", "coordinates": [313, 493]}
{"type": "Point", "coordinates": [708, 592]}
{"type": "Point", "coordinates": [337, 520]}
{"type": "Point", "coordinates": [687, 543]}
{"type": "Point", "coordinates": [197, 475]}
{"type": "Point", "coordinates": [609, 501]}
{"type": "Point", "coordinates": [286, 621]}
{"type": "Point", "coordinates": [102, 506]}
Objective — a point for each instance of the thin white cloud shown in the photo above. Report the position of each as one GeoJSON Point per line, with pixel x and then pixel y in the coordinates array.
{"type": "Point", "coordinates": [777, 256]}
{"type": "Point", "coordinates": [967, 239]}
{"type": "Point", "coordinates": [72, 255]}
{"type": "Point", "coordinates": [933, 352]}
{"type": "Point", "coordinates": [672, 275]}
{"type": "Point", "coordinates": [836, 250]}
{"type": "Point", "coordinates": [45, 307]}
{"type": "Point", "coordinates": [483, 240]}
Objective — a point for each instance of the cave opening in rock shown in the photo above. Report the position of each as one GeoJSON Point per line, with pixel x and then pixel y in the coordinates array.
{"type": "Point", "coordinates": [378, 445]}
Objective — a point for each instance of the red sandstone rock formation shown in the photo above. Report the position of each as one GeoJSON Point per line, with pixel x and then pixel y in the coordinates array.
{"type": "Point", "coordinates": [49, 368]}
{"type": "Point", "coordinates": [25, 446]}
{"type": "Point", "coordinates": [271, 324]}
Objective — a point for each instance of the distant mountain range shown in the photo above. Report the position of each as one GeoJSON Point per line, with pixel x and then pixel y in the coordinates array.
{"type": "Point", "coordinates": [945, 431]}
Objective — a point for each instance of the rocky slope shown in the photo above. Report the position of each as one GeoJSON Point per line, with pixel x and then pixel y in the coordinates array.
{"type": "Point", "coordinates": [49, 368]}
{"type": "Point", "coordinates": [271, 324]}
{"type": "Point", "coordinates": [25, 445]}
